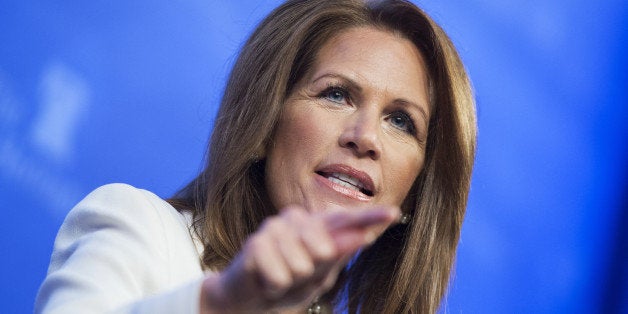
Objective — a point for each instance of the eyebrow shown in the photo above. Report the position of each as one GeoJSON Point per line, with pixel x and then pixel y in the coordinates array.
{"type": "Point", "coordinates": [422, 112]}
{"type": "Point", "coordinates": [354, 85]}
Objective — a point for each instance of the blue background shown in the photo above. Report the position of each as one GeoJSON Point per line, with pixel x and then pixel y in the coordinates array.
{"type": "Point", "coordinates": [93, 92]}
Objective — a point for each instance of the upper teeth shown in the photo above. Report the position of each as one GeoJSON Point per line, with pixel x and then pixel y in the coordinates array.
{"type": "Point", "coordinates": [345, 180]}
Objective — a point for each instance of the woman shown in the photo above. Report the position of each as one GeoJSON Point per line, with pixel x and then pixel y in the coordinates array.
{"type": "Point", "coordinates": [338, 117]}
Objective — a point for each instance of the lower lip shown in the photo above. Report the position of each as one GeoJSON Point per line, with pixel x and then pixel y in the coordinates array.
{"type": "Point", "coordinates": [350, 193]}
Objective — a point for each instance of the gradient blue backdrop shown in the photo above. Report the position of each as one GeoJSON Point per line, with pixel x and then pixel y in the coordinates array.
{"type": "Point", "coordinates": [93, 92]}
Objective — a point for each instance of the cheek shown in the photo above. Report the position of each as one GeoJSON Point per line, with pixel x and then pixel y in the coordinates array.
{"type": "Point", "coordinates": [404, 169]}
{"type": "Point", "coordinates": [304, 131]}
{"type": "Point", "coordinates": [296, 138]}
{"type": "Point", "coordinates": [298, 146]}
{"type": "Point", "coordinates": [300, 134]}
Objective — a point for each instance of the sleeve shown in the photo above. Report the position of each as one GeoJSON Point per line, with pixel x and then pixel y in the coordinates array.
{"type": "Point", "coordinates": [111, 256]}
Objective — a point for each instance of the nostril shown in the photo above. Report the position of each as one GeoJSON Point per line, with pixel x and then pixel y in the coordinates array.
{"type": "Point", "coordinates": [371, 153]}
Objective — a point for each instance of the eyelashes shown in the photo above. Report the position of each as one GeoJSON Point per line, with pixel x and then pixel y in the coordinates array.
{"type": "Point", "coordinates": [336, 93]}
{"type": "Point", "coordinates": [402, 121]}
{"type": "Point", "coordinates": [399, 119]}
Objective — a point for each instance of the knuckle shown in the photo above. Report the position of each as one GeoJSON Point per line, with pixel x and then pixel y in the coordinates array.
{"type": "Point", "coordinates": [330, 251]}
{"type": "Point", "coordinates": [325, 251]}
{"type": "Point", "coordinates": [304, 269]}
{"type": "Point", "coordinates": [254, 242]}
{"type": "Point", "coordinates": [294, 215]}
{"type": "Point", "coordinates": [273, 225]}
{"type": "Point", "coordinates": [278, 282]}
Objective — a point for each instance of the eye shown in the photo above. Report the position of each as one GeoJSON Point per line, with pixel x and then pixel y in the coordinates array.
{"type": "Point", "coordinates": [335, 94]}
{"type": "Point", "coordinates": [402, 121]}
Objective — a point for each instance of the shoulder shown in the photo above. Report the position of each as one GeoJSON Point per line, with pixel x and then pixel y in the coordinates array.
{"type": "Point", "coordinates": [118, 203]}
{"type": "Point", "coordinates": [117, 245]}
{"type": "Point", "coordinates": [121, 212]}
{"type": "Point", "coordinates": [119, 195]}
{"type": "Point", "coordinates": [122, 215]}
{"type": "Point", "coordinates": [137, 212]}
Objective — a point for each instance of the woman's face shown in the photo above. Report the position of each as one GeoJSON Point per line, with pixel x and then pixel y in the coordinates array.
{"type": "Point", "coordinates": [354, 129]}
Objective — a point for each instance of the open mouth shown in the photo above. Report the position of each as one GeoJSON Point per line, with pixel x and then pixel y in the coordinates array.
{"type": "Point", "coordinates": [346, 181]}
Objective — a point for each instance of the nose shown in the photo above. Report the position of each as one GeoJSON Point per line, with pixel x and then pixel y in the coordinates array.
{"type": "Point", "coordinates": [361, 134]}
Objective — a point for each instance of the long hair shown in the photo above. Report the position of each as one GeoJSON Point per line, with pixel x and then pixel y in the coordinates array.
{"type": "Point", "coordinates": [408, 268]}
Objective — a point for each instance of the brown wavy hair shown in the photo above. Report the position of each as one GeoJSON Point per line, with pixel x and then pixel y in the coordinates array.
{"type": "Point", "coordinates": [408, 268]}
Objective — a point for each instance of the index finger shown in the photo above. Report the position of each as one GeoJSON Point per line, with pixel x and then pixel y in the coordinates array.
{"type": "Point", "coordinates": [352, 230]}
{"type": "Point", "coordinates": [362, 218]}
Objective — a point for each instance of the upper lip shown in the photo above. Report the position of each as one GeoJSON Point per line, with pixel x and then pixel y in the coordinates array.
{"type": "Point", "coordinates": [363, 177]}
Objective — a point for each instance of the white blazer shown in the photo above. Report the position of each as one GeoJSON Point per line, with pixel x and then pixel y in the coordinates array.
{"type": "Point", "coordinates": [123, 250]}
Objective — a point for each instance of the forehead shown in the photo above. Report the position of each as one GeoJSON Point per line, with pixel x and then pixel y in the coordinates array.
{"type": "Point", "coordinates": [375, 58]}
{"type": "Point", "coordinates": [365, 41]}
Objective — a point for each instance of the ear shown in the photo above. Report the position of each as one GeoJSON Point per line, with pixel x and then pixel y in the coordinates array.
{"type": "Point", "coordinates": [405, 218]}
{"type": "Point", "coordinates": [407, 208]}
{"type": "Point", "coordinates": [410, 203]}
